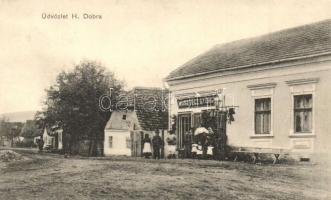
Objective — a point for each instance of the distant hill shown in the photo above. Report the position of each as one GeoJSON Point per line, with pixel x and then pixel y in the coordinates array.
{"type": "Point", "coordinates": [19, 116]}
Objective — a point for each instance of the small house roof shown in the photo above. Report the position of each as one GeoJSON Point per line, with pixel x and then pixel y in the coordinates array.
{"type": "Point", "coordinates": [149, 105]}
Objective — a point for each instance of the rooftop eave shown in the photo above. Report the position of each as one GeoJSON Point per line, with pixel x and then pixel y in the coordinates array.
{"type": "Point", "coordinates": [249, 66]}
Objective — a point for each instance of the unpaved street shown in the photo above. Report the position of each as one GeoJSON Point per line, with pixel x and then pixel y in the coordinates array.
{"type": "Point", "coordinates": [50, 176]}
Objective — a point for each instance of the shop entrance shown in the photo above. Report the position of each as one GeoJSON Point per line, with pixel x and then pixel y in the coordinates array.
{"type": "Point", "coordinates": [184, 125]}
{"type": "Point", "coordinates": [215, 121]}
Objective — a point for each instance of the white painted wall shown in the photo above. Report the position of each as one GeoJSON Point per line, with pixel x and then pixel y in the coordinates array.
{"type": "Point", "coordinates": [241, 130]}
{"type": "Point", "coordinates": [48, 140]}
{"type": "Point", "coordinates": [119, 144]}
{"type": "Point", "coordinates": [60, 140]}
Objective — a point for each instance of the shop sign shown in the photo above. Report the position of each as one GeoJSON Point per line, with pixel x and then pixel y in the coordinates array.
{"type": "Point", "coordinates": [194, 102]}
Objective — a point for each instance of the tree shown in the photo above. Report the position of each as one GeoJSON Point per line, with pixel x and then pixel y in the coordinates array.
{"type": "Point", "coordinates": [10, 130]}
{"type": "Point", "coordinates": [5, 127]}
{"type": "Point", "coordinates": [30, 129]}
{"type": "Point", "coordinates": [72, 104]}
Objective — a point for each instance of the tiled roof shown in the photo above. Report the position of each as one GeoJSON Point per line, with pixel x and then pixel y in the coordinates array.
{"type": "Point", "coordinates": [151, 116]}
{"type": "Point", "coordinates": [149, 104]}
{"type": "Point", "coordinates": [295, 43]}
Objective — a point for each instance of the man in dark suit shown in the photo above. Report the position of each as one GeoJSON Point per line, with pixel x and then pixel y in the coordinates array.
{"type": "Point", "coordinates": [157, 144]}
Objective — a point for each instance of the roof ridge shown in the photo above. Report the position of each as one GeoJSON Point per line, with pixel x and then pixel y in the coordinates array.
{"type": "Point", "coordinates": [303, 40]}
{"type": "Point", "coordinates": [286, 30]}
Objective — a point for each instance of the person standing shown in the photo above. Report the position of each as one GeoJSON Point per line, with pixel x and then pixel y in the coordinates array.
{"type": "Point", "coordinates": [157, 144]}
{"type": "Point", "coordinates": [147, 152]}
{"type": "Point", "coordinates": [204, 143]}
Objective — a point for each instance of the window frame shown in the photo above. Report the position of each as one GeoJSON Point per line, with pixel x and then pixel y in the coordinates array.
{"type": "Point", "coordinates": [264, 111]}
{"type": "Point", "coordinates": [260, 91]}
{"type": "Point", "coordinates": [302, 87]}
{"type": "Point", "coordinates": [293, 132]}
{"type": "Point", "coordinates": [295, 110]}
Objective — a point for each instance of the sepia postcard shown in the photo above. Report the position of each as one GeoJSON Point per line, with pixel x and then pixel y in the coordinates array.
{"type": "Point", "coordinates": [165, 99]}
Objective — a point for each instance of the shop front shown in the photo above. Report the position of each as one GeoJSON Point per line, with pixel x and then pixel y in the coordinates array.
{"type": "Point", "coordinates": [281, 87]}
{"type": "Point", "coordinates": [201, 124]}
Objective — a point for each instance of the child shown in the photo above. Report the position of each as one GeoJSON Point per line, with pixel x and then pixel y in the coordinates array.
{"type": "Point", "coordinates": [194, 150]}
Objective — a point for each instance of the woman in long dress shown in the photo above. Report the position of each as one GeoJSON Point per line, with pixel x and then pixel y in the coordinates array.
{"type": "Point", "coordinates": [147, 151]}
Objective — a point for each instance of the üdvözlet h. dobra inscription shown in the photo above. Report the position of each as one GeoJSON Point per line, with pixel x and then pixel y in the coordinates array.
{"type": "Point", "coordinates": [69, 16]}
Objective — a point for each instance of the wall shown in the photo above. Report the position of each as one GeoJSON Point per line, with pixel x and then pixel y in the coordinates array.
{"type": "Point", "coordinates": [119, 142]}
{"type": "Point", "coordinates": [48, 140]}
{"type": "Point", "coordinates": [241, 131]}
{"type": "Point", "coordinates": [116, 121]}
{"type": "Point", "coordinates": [60, 142]}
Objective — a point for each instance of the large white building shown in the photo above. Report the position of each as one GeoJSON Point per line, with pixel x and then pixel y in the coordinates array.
{"type": "Point", "coordinates": [280, 81]}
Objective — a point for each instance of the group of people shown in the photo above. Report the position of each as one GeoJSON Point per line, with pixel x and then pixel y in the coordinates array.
{"type": "Point", "coordinates": [155, 144]}
{"type": "Point", "coordinates": [199, 145]}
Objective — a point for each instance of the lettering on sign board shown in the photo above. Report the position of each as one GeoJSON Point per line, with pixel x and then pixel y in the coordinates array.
{"type": "Point", "coordinates": [193, 102]}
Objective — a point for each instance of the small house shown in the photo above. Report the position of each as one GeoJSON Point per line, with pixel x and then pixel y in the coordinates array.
{"type": "Point", "coordinates": [139, 112]}
{"type": "Point", "coordinates": [52, 138]}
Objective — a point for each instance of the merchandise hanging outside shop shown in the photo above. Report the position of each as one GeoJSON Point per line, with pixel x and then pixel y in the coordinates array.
{"type": "Point", "coordinates": [203, 135]}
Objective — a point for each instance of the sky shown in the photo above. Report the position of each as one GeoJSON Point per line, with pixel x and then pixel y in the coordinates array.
{"type": "Point", "coordinates": [142, 41]}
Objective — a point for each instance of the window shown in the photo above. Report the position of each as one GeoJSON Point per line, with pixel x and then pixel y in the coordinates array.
{"type": "Point", "coordinates": [303, 113]}
{"type": "Point", "coordinates": [110, 141]}
{"type": "Point", "coordinates": [124, 117]}
{"type": "Point", "coordinates": [262, 116]}
{"type": "Point", "coordinates": [302, 105]}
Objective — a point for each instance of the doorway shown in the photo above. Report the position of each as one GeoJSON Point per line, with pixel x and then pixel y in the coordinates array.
{"type": "Point", "coordinates": [184, 125]}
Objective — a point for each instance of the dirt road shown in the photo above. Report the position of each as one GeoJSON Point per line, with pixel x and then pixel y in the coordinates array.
{"type": "Point", "coordinates": [46, 176]}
